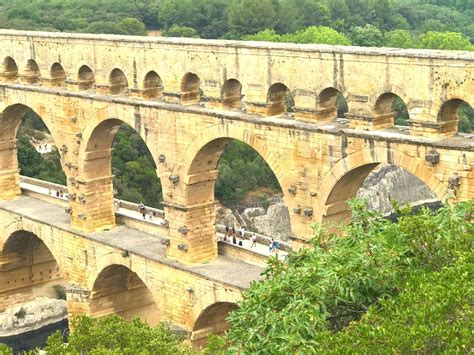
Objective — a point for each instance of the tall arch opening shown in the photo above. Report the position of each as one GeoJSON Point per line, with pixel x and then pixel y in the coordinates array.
{"type": "Point", "coordinates": [212, 320]}
{"type": "Point", "coordinates": [232, 94]}
{"type": "Point", "coordinates": [190, 89]}
{"type": "Point", "coordinates": [58, 75]}
{"type": "Point", "coordinates": [457, 112]}
{"type": "Point", "coordinates": [85, 78]}
{"type": "Point", "coordinates": [119, 162]}
{"type": "Point", "coordinates": [118, 82]}
{"type": "Point", "coordinates": [152, 86]}
{"type": "Point", "coordinates": [247, 191]}
{"type": "Point", "coordinates": [332, 104]}
{"type": "Point", "coordinates": [28, 149]}
{"type": "Point", "coordinates": [390, 109]}
{"type": "Point", "coordinates": [118, 290]}
{"type": "Point", "coordinates": [279, 100]}
{"type": "Point", "coordinates": [380, 185]}
{"type": "Point", "coordinates": [32, 72]}
{"type": "Point", "coordinates": [9, 69]}
{"type": "Point", "coordinates": [29, 270]}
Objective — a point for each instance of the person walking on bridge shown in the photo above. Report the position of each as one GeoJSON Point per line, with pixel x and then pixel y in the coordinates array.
{"type": "Point", "coordinates": [142, 209]}
{"type": "Point", "coordinates": [253, 239]}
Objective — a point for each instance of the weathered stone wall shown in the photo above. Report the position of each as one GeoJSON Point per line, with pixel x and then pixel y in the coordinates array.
{"type": "Point", "coordinates": [319, 164]}
{"type": "Point", "coordinates": [81, 261]}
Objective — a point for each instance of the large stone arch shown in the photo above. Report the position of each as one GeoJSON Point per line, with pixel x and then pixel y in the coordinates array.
{"type": "Point", "coordinates": [211, 307]}
{"type": "Point", "coordinates": [352, 170]}
{"type": "Point", "coordinates": [191, 208]}
{"type": "Point", "coordinates": [231, 132]}
{"type": "Point", "coordinates": [382, 106]}
{"type": "Point", "coordinates": [117, 288]}
{"type": "Point", "coordinates": [10, 121]}
{"type": "Point", "coordinates": [95, 169]}
{"type": "Point", "coordinates": [33, 265]}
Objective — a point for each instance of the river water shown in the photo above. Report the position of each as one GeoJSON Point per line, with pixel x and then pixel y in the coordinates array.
{"type": "Point", "coordinates": [34, 339]}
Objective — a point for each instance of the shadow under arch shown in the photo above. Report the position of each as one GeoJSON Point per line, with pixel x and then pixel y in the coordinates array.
{"type": "Point", "coordinates": [28, 269]}
{"type": "Point", "coordinates": [31, 73]}
{"type": "Point", "coordinates": [85, 78]}
{"type": "Point", "coordinates": [57, 75]}
{"type": "Point", "coordinates": [390, 109]}
{"type": "Point", "coordinates": [231, 94]}
{"type": "Point", "coordinates": [118, 83]}
{"type": "Point", "coordinates": [190, 89]}
{"type": "Point", "coordinates": [118, 290]}
{"type": "Point", "coordinates": [332, 104]}
{"type": "Point", "coordinates": [9, 71]}
{"type": "Point", "coordinates": [344, 180]}
{"type": "Point", "coordinates": [457, 115]}
{"type": "Point", "coordinates": [279, 99]}
{"type": "Point", "coordinates": [152, 86]}
{"type": "Point", "coordinates": [212, 320]}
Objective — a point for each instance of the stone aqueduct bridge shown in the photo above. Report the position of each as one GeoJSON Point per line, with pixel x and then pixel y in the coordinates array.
{"type": "Point", "coordinates": [188, 99]}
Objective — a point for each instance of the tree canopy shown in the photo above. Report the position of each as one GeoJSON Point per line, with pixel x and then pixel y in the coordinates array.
{"type": "Point", "coordinates": [359, 291]}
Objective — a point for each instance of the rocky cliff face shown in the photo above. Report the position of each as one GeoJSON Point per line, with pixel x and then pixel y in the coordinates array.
{"type": "Point", "coordinates": [391, 183]}
{"type": "Point", "coordinates": [273, 222]}
{"type": "Point", "coordinates": [382, 186]}
{"type": "Point", "coordinates": [32, 315]}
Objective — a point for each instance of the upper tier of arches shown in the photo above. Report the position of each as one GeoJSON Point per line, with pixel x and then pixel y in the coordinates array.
{"type": "Point", "coordinates": [321, 105]}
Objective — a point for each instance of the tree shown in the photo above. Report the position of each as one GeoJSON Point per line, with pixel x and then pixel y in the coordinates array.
{"type": "Point", "coordinates": [321, 290]}
{"type": "Point", "coordinates": [445, 40]}
{"type": "Point", "coordinates": [367, 36]}
{"type": "Point", "coordinates": [115, 335]}
{"type": "Point", "coordinates": [321, 34]}
{"type": "Point", "coordinates": [433, 315]}
{"type": "Point", "coordinates": [104, 27]}
{"type": "Point", "coordinates": [133, 26]}
{"type": "Point", "coordinates": [181, 31]}
{"type": "Point", "coordinates": [400, 39]}
{"type": "Point", "coordinates": [249, 16]}
{"type": "Point", "coordinates": [313, 34]}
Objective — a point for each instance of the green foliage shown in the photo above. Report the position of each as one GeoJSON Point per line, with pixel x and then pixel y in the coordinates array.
{"type": "Point", "coordinates": [401, 112]}
{"type": "Point", "coordinates": [322, 35]}
{"type": "Point", "coordinates": [133, 26]}
{"type": "Point", "coordinates": [21, 313]}
{"type": "Point", "coordinates": [445, 40]}
{"type": "Point", "coordinates": [466, 118]}
{"type": "Point", "coordinates": [249, 16]}
{"type": "Point", "coordinates": [317, 292]}
{"type": "Point", "coordinates": [5, 350]}
{"type": "Point", "coordinates": [367, 36]}
{"type": "Point", "coordinates": [115, 335]}
{"type": "Point", "coordinates": [181, 31]}
{"type": "Point", "coordinates": [60, 292]}
{"type": "Point", "coordinates": [134, 169]}
{"type": "Point", "coordinates": [33, 164]}
{"type": "Point", "coordinates": [400, 39]}
{"type": "Point", "coordinates": [433, 315]}
{"type": "Point", "coordinates": [241, 170]}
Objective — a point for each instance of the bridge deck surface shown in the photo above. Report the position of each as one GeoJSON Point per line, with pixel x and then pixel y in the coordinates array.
{"type": "Point", "coordinates": [224, 270]}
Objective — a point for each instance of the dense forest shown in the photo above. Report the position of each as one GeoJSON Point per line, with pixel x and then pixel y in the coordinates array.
{"type": "Point", "coordinates": [439, 24]}
{"type": "Point", "coordinates": [420, 23]}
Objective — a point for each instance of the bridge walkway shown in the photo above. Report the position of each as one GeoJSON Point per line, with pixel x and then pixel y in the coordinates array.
{"type": "Point", "coordinates": [223, 270]}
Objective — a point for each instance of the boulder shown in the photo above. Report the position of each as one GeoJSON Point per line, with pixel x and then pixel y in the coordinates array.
{"type": "Point", "coordinates": [275, 223]}
{"type": "Point", "coordinates": [391, 183]}
{"type": "Point", "coordinates": [32, 315]}
{"type": "Point", "coordinates": [225, 216]}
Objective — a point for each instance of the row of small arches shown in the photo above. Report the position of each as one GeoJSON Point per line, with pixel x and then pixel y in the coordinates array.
{"type": "Point", "coordinates": [279, 97]}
